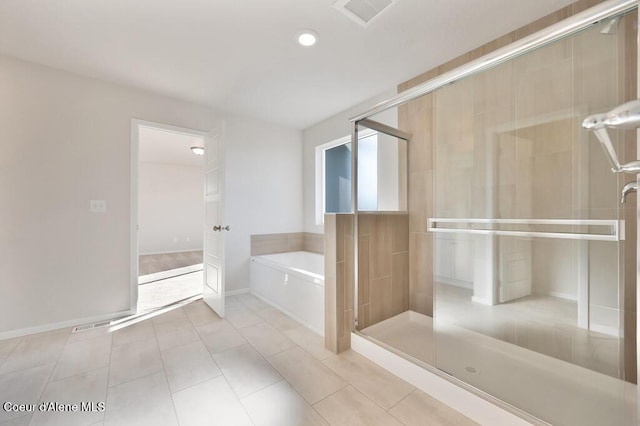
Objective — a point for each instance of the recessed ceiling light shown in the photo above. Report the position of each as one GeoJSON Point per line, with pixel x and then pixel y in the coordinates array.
{"type": "Point", "coordinates": [197, 150]}
{"type": "Point", "coordinates": [307, 38]}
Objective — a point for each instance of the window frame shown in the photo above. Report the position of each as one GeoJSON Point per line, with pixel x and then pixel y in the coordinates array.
{"type": "Point", "coordinates": [320, 155]}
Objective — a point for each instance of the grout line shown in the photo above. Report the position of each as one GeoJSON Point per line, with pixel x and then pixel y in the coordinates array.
{"type": "Point", "coordinates": [164, 371]}
{"type": "Point", "coordinates": [140, 377]}
{"type": "Point", "coordinates": [52, 371]}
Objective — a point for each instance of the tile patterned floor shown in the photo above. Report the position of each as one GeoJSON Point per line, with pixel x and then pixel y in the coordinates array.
{"type": "Point", "coordinates": [152, 263]}
{"type": "Point", "coordinates": [190, 367]}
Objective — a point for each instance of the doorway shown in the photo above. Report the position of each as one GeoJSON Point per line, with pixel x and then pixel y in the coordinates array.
{"type": "Point", "coordinates": [170, 215]}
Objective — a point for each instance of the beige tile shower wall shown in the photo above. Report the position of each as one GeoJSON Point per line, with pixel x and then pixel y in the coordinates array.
{"type": "Point", "coordinates": [280, 243]}
{"type": "Point", "coordinates": [313, 242]}
{"type": "Point", "coordinates": [338, 281]}
{"type": "Point", "coordinates": [276, 243]}
{"type": "Point", "coordinates": [417, 118]}
{"type": "Point", "coordinates": [523, 178]}
{"type": "Point", "coordinates": [383, 266]}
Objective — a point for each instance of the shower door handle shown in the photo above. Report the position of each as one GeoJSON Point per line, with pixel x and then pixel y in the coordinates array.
{"type": "Point", "coordinates": [220, 228]}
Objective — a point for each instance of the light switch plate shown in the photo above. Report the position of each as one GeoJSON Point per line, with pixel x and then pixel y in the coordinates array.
{"type": "Point", "coordinates": [98, 206]}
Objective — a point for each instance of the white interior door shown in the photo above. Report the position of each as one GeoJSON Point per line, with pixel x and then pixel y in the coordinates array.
{"type": "Point", "coordinates": [214, 229]}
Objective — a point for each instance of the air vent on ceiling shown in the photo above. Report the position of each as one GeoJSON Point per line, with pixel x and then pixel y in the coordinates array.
{"type": "Point", "coordinates": [362, 11]}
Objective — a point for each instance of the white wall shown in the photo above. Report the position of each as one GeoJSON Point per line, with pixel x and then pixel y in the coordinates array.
{"type": "Point", "coordinates": [65, 140]}
{"type": "Point", "coordinates": [263, 189]}
{"type": "Point", "coordinates": [170, 208]}
{"type": "Point", "coordinates": [329, 130]}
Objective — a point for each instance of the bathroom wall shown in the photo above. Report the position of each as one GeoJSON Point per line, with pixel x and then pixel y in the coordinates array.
{"type": "Point", "coordinates": [339, 261]}
{"type": "Point", "coordinates": [282, 243]}
{"type": "Point", "coordinates": [170, 208]}
{"type": "Point", "coordinates": [383, 266]}
{"type": "Point", "coordinates": [65, 140]}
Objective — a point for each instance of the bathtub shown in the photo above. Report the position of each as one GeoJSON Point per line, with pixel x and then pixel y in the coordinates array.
{"type": "Point", "coordinates": [292, 282]}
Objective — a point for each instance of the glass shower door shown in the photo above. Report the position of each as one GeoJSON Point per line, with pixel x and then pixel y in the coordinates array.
{"type": "Point", "coordinates": [534, 254]}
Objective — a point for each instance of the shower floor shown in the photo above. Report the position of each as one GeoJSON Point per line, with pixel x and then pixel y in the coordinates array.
{"type": "Point", "coordinates": [551, 389]}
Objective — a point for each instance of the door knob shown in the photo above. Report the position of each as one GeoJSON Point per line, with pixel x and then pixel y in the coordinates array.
{"type": "Point", "coordinates": [220, 228]}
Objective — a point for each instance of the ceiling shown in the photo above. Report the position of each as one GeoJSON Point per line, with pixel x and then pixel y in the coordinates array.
{"type": "Point", "coordinates": [166, 147]}
{"type": "Point", "coordinates": [241, 55]}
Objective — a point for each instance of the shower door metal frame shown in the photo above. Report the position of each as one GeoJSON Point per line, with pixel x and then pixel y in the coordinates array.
{"type": "Point", "coordinates": [387, 130]}
{"type": "Point", "coordinates": [550, 34]}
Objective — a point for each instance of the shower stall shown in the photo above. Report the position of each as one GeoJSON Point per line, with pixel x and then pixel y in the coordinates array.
{"type": "Point", "coordinates": [505, 261]}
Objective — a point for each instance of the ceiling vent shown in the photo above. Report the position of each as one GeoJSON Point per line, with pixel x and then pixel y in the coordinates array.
{"type": "Point", "coordinates": [362, 11]}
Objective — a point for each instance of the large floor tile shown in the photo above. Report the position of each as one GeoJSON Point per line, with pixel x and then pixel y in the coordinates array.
{"type": "Point", "coordinates": [418, 409]}
{"type": "Point", "coordinates": [210, 403]}
{"type": "Point", "coordinates": [23, 387]}
{"type": "Point", "coordinates": [171, 315]}
{"type": "Point", "coordinates": [281, 405]}
{"type": "Point", "coordinates": [375, 382]}
{"type": "Point", "coordinates": [88, 387]}
{"type": "Point", "coordinates": [246, 370]}
{"type": "Point", "coordinates": [175, 333]}
{"type": "Point", "coordinates": [232, 303]}
{"type": "Point", "coordinates": [309, 341]}
{"type": "Point", "coordinates": [145, 401]}
{"type": "Point", "coordinates": [134, 333]}
{"type": "Point", "coordinates": [349, 407]}
{"type": "Point", "coordinates": [20, 421]}
{"type": "Point", "coordinates": [266, 339]}
{"type": "Point", "coordinates": [35, 350]}
{"type": "Point", "coordinates": [310, 377]}
{"type": "Point", "coordinates": [8, 345]}
{"type": "Point", "coordinates": [277, 319]}
{"type": "Point", "coordinates": [83, 356]}
{"type": "Point", "coordinates": [242, 317]}
{"type": "Point", "coordinates": [135, 360]}
{"type": "Point", "coordinates": [88, 334]}
{"type": "Point", "coordinates": [200, 313]}
{"type": "Point", "coordinates": [220, 336]}
{"type": "Point", "coordinates": [252, 302]}
{"type": "Point", "coordinates": [188, 365]}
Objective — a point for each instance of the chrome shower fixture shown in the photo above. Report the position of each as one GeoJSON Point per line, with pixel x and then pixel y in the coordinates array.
{"type": "Point", "coordinates": [628, 188]}
{"type": "Point", "coordinates": [623, 117]}
{"type": "Point", "coordinates": [611, 27]}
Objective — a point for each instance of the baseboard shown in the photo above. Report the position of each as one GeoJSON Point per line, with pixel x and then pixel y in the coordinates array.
{"type": "Point", "coordinates": [558, 295]}
{"type": "Point", "coordinates": [482, 300]}
{"type": "Point", "coordinates": [452, 281]}
{"type": "Point", "coordinates": [169, 252]}
{"type": "Point", "coordinates": [236, 292]}
{"type": "Point", "coordinates": [63, 324]}
{"type": "Point", "coordinates": [461, 400]}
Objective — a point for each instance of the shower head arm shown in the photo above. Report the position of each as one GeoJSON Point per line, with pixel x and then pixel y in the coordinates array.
{"type": "Point", "coordinates": [607, 146]}
{"type": "Point", "coordinates": [623, 117]}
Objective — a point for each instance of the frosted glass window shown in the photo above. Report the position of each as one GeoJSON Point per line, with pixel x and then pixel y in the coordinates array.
{"type": "Point", "coordinates": [337, 182]}
{"type": "Point", "coordinates": [333, 185]}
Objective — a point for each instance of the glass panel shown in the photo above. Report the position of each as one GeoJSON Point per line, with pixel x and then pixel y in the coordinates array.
{"type": "Point", "coordinates": [528, 269]}
{"type": "Point", "coordinates": [382, 172]}
{"type": "Point", "coordinates": [337, 162]}
{"type": "Point", "coordinates": [368, 172]}
{"type": "Point", "coordinates": [520, 258]}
